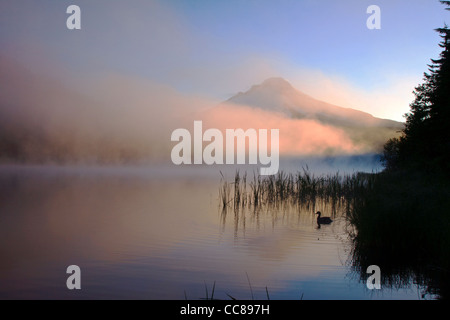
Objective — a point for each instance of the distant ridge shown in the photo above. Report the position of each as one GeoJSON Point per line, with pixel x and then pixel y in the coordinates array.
{"type": "Point", "coordinates": [278, 95]}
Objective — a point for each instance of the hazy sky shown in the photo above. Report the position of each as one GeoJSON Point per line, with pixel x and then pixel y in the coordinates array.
{"type": "Point", "coordinates": [216, 48]}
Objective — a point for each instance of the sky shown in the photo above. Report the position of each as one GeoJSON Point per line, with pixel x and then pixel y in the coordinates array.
{"type": "Point", "coordinates": [215, 49]}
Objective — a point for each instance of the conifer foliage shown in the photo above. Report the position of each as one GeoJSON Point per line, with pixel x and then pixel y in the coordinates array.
{"type": "Point", "coordinates": [425, 143]}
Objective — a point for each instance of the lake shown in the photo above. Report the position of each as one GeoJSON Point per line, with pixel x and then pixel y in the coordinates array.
{"type": "Point", "coordinates": [159, 232]}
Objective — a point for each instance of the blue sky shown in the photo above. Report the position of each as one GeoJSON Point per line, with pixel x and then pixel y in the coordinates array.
{"type": "Point", "coordinates": [219, 47]}
{"type": "Point", "coordinates": [330, 36]}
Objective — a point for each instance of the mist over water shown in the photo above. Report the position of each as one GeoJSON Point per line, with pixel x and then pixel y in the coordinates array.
{"type": "Point", "coordinates": [113, 118]}
{"type": "Point", "coordinates": [87, 177]}
{"type": "Point", "coordinates": [369, 163]}
{"type": "Point", "coordinates": [158, 232]}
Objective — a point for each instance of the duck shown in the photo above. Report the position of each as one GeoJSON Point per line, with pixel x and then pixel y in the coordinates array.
{"type": "Point", "coordinates": [323, 220]}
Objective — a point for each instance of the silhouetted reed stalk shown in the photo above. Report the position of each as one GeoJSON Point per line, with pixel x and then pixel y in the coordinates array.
{"type": "Point", "coordinates": [224, 192]}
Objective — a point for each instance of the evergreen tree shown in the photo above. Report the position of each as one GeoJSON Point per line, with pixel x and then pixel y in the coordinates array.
{"type": "Point", "coordinates": [440, 100]}
{"type": "Point", "coordinates": [425, 142]}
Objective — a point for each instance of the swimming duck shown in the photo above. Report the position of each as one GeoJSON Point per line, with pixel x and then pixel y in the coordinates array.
{"type": "Point", "coordinates": [323, 220]}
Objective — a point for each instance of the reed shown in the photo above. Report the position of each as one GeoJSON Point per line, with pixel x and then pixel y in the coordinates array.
{"type": "Point", "coordinates": [207, 297]}
{"type": "Point", "coordinates": [301, 188]}
{"type": "Point", "coordinates": [224, 192]}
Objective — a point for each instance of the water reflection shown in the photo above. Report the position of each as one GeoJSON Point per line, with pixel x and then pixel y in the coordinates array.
{"type": "Point", "coordinates": [112, 225]}
{"type": "Point", "coordinates": [400, 269]}
{"type": "Point", "coordinates": [292, 200]}
{"type": "Point", "coordinates": [149, 233]}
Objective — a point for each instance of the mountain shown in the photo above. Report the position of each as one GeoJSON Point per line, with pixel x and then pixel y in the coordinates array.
{"type": "Point", "coordinates": [278, 95]}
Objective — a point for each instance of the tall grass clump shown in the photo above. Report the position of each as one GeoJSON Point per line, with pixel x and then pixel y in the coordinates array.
{"type": "Point", "coordinates": [302, 188]}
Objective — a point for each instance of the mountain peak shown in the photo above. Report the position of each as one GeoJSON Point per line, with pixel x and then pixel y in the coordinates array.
{"type": "Point", "coordinates": [277, 94]}
{"type": "Point", "coordinates": [275, 84]}
{"type": "Point", "coordinates": [276, 81]}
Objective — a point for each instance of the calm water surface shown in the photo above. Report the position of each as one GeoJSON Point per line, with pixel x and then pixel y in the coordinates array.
{"type": "Point", "coordinates": [159, 233]}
